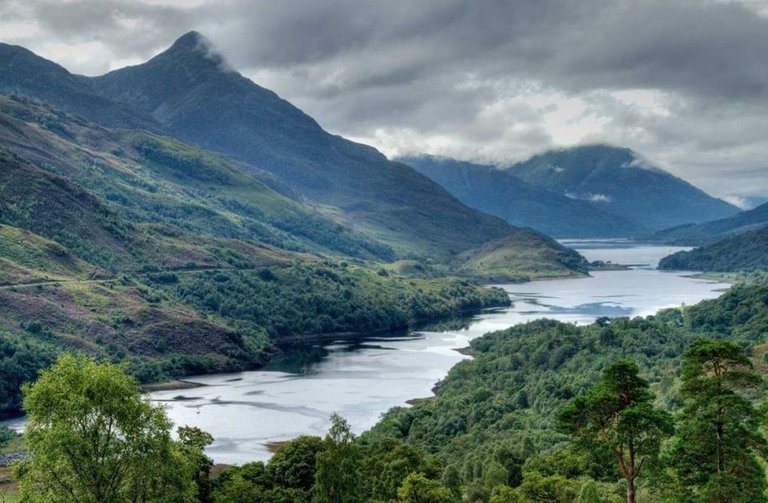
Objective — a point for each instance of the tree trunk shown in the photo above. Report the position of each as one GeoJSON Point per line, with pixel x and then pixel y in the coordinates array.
{"type": "Point", "coordinates": [630, 491]}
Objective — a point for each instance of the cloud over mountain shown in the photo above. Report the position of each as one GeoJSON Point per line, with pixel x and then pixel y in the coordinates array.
{"type": "Point", "coordinates": [685, 81]}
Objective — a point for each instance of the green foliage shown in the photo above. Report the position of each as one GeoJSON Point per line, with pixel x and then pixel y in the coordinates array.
{"type": "Point", "coordinates": [317, 299]}
{"type": "Point", "coordinates": [6, 435]}
{"type": "Point", "coordinates": [293, 465]}
{"type": "Point", "coordinates": [617, 415]}
{"type": "Point", "coordinates": [20, 360]}
{"type": "Point", "coordinates": [743, 252]}
{"type": "Point", "coordinates": [92, 438]}
{"type": "Point", "coordinates": [417, 488]}
{"type": "Point", "coordinates": [193, 442]}
{"type": "Point", "coordinates": [588, 493]}
{"type": "Point", "coordinates": [478, 415]}
{"type": "Point", "coordinates": [716, 454]}
{"type": "Point", "coordinates": [338, 475]}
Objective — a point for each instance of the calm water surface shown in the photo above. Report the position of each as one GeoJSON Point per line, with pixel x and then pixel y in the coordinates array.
{"type": "Point", "coordinates": [362, 378]}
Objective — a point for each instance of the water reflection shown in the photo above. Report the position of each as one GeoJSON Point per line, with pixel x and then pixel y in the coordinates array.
{"type": "Point", "coordinates": [362, 377]}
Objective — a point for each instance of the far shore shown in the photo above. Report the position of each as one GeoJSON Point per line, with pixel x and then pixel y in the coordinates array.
{"type": "Point", "coordinates": [171, 385]}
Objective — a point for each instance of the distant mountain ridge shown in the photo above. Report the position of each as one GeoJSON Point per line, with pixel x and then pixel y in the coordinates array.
{"type": "Point", "coordinates": [501, 193]}
{"type": "Point", "coordinates": [620, 181]}
{"type": "Point", "coordinates": [710, 232]}
{"type": "Point", "coordinates": [743, 252]}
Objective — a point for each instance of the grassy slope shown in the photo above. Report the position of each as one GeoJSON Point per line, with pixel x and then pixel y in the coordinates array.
{"type": "Point", "coordinates": [28, 258]}
{"type": "Point", "coordinates": [522, 256]}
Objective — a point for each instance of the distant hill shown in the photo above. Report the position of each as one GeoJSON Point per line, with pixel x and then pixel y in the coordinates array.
{"type": "Point", "coordinates": [710, 232]}
{"type": "Point", "coordinates": [499, 192]}
{"type": "Point", "coordinates": [619, 181]}
{"type": "Point", "coordinates": [539, 256]}
{"type": "Point", "coordinates": [743, 252]}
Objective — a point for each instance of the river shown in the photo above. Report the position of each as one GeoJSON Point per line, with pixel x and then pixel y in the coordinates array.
{"type": "Point", "coordinates": [364, 377]}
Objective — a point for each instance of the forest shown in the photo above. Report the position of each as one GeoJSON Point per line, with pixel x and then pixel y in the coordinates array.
{"type": "Point", "coordinates": [663, 408]}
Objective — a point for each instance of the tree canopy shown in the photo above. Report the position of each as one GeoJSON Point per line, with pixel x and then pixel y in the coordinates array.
{"type": "Point", "coordinates": [92, 438]}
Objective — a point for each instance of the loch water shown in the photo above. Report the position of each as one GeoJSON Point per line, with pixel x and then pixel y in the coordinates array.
{"type": "Point", "coordinates": [362, 377]}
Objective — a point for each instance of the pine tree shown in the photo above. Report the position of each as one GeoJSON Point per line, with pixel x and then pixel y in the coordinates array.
{"type": "Point", "coordinates": [715, 456]}
{"type": "Point", "coordinates": [617, 414]}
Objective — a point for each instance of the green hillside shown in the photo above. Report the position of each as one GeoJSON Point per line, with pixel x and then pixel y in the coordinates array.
{"type": "Point", "coordinates": [141, 249]}
{"type": "Point", "coordinates": [744, 252]}
{"type": "Point", "coordinates": [152, 179]}
{"type": "Point", "coordinates": [505, 259]}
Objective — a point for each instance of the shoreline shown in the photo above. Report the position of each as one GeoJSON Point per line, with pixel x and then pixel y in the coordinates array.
{"type": "Point", "coordinates": [172, 385]}
{"type": "Point", "coordinates": [288, 342]}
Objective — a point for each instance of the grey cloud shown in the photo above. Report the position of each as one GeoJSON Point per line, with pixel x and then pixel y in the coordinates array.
{"type": "Point", "coordinates": [459, 71]}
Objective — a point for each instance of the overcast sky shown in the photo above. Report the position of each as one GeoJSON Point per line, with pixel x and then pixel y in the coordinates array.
{"type": "Point", "coordinates": [685, 83]}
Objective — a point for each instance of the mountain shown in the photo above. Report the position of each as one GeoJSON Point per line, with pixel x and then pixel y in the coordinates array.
{"type": "Point", "coordinates": [621, 182]}
{"type": "Point", "coordinates": [500, 193]}
{"type": "Point", "coordinates": [189, 92]}
{"type": "Point", "coordinates": [194, 95]}
{"type": "Point", "coordinates": [23, 73]}
{"type": "Point", "coordinates": [139, 248]}
{"type": "Point", "coordinates": [710, 232]}
{"type": "Point", "coordinates": [743, 252]}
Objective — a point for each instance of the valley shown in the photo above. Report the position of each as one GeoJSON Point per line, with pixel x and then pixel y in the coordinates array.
{"type": "Point", "coordinates": [363, 377]}
{"type": "Point", "coordinates": [207, 296]}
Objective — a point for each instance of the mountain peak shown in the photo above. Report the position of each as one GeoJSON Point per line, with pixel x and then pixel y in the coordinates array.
{"type": "Point", "coordinates": [193, 40]}
{"type": "Point", "coordinates": [194, 46]}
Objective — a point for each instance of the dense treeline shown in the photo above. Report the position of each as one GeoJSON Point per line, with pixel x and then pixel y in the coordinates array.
{"type": "Point", "coordinates": [319, 299]}
{"type": "Point", "coordinates": [242, 313]}
{"type": "Point", "coordinates": [20, 360]}
{"type": "Point", "coordinates": [747, 251]}
{"type": "Point", "coordinates": [498, 413]}
{"type": "Point", "coordinates": [666, 408]}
